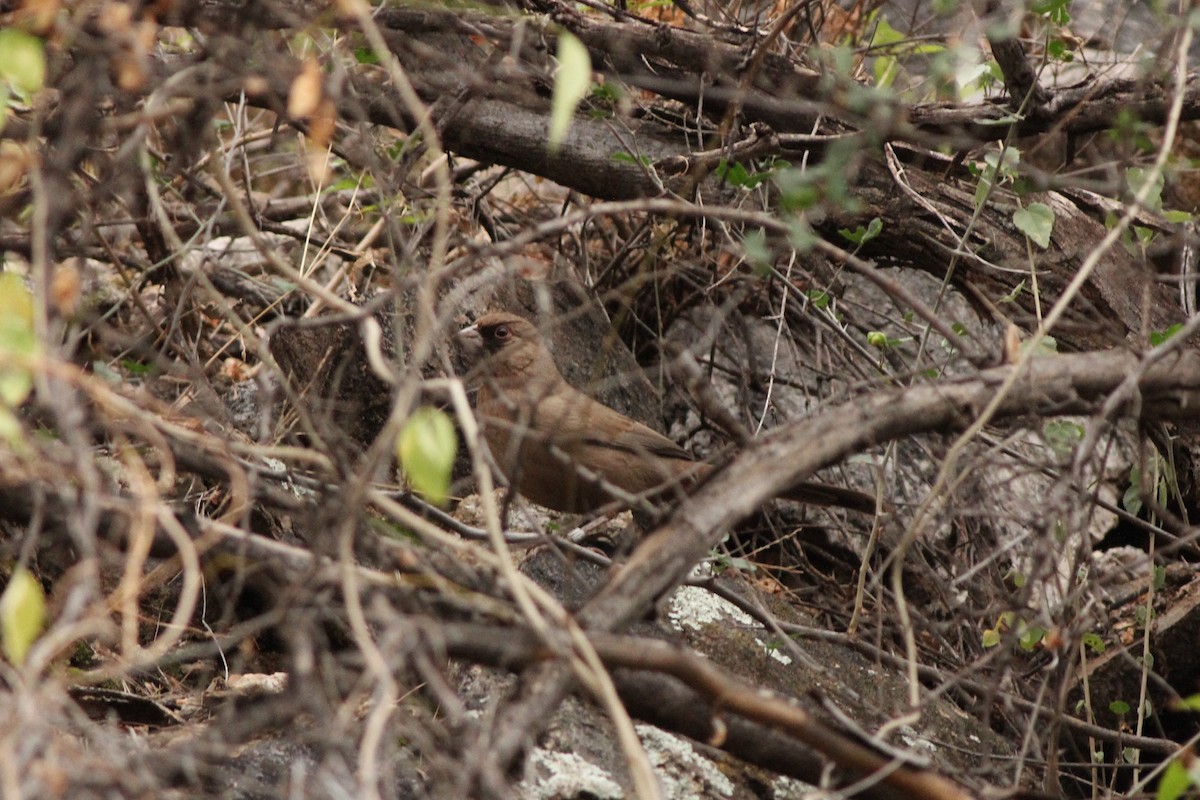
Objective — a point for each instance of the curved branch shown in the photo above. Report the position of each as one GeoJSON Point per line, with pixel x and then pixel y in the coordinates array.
{"type": "Point", "coordinates": [1051, 386]}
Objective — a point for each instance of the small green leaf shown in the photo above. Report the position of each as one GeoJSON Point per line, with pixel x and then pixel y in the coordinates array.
{"type": "Point", "coordinates": [1058, 51]}
{"type": "Point", "coordinates": [365, 55]}
{"type": "Point", "coordinates": [991, 638]}
{"type": "Point", "coordinates": [1031, 637]}
{"type": "Point", "coordinates": [1043, 346]}
{"type": "Point", "coordinates": [572, 82]}
{"type": "Point", "coordinates": [1035, 221]}
{"type": "Point", "coordinates": [1144, 615]}
{"type": "Point", "coordinates": [1174, 782]}
{"type": "Point", "coordinates": [798, 188]}
{"type": "Point", "coordinates": [22, 615]}
{"type": "Point", "coordinates": [742, 564]}
{"type": "Point", "coordinates": [1160, 577]}
{"type": "Point", "coordinates": [997, 170]}
{"type": "Point", "coordinates": [621, 157]}
{"type": "Point", "coordinates": [1063, 435]}
{"type": "Point", "coordinates": [801, 236]}
{"type": "Point", "coordinates": [426, 448]}
{"type": "Point", "coordinates": [22, 61]}
{"type": "Point", "coordinates": [737, 175]}
{"type": "Point", "coordinates": [606, 92]}
{"type": "Point", "coordinates": [1093, 642]}
{"type": "Point", "coordinates": [1158, 337]}
{"type": "Point", "coordinates": [1191, 703]}
{"type": "Point", "coordinates": [1057, 11]}
{"type": "Point", "coordinates": [1138, 177]}
{"type": "Point", "coordinates": [877, 339]}
{"type": "Point", "coordinates": [819, 298]}
{"type": "Point", "coordinates": [1119, 707]}
{"type": "Point", "coordinates": [1131, 500]}
{"type": "Point", "coordinates": [860, 235]}
{"type": "Point", "coordinates": [757, 252]}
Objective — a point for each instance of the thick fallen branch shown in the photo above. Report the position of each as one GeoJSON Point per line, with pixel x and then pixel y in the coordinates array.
{"type": "Point", "coordinates": [722, 694]}
{"type": "Point", "coordinates": [1050, 386]}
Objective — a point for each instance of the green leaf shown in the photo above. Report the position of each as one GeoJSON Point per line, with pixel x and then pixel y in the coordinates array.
{"type": "Point", "coordinates": [1045, 346]}
{"type": "Point", "coordinates": [22, 61]}
{"type": "Point", "coordinates": [365, 55]}
{"type": "Point", "coordinates": [571, 84]}
{"type": "Point", "coordinates": [1131, 500]}
{"type": "Point", "coordinates": [621, 157]}
{"type": "Point", "coordinates": [885, 69]}
{"type": "Point", "coordinates": [1035, 221]}
{"type": "Point", "coordinates": [757, 252]}
{"type": "Point", "coordinates": [1191, 703]}
{"type": "Point", "coordinates": [1144, 616]}
{"type": "Point", "coordinates": [1057, 11]}
{"type": "Point", "coordinates": [426, 448]}
{"type": "Point", "coordinates": [1137, 178]}
{"type": "Point", "coordinates": [819, 298]}
{"type": "Point", "coordinates": [1160, 577]}
{"type": "Point", "coordinates": [1158, 337]}
{"type": "Point", "coordinates": [991, 638]}
{"type": "Point", "coordinates": [1031, 636]}
{"type": "Point", "coordinates": [1119, 707]}
{"type": "Point", "coordinates": [737, 175]}
{"type": "Point", "coordinates": [1093, 642]}
{"type": "Point", "coordinates": [1174, 782]}
{"type": "Point", "coordinates": [22, 615]}
{"type": "Point", "coordinates": [997, 170]}
{"type": "Point", "coordinates": [606, 92]}
{"type": "Point", "coordinates": [801, 236]}
{"type": "Point", "coordinates": [798, 188]}
{"type": "Point", "coordinates": [1062, 435]}
{"type": "Point", "coordinates": [1058, 51]}
{"type": "Point", "coordinates": [860, 235]}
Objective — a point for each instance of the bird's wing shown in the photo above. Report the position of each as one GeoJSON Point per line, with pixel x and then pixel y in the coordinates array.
{"type": "Point", "coordinates": [596, 425]}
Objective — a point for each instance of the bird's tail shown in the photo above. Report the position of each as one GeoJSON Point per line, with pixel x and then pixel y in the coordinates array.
{"type": "Point", "coordinates": [820, 494]}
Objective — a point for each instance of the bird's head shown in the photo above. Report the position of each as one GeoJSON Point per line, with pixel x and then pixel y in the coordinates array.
{"type": "Point", "coordinates": [506, 347]}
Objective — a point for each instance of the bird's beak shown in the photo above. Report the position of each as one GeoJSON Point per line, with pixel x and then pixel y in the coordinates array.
{"type": "Point", "coordinates": [470, 338]}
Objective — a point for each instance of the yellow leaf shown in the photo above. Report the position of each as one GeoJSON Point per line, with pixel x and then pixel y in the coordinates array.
{"type": "Point", "coordinates": [571, 84]}
{"type": "Point", "coordinates": [22, 614]}
{"type": "Point", "coordinates": [16, 338]}
{"type": "Point", "coordinates": [22, 61]}
{"type": "Point", "coordinates": [305, 93]}
{"type": "Point", "coordinates": [426, 448]}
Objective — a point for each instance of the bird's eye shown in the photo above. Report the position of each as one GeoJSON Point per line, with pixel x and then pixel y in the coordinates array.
{"type": "Point", "coordinates": [501, 333]}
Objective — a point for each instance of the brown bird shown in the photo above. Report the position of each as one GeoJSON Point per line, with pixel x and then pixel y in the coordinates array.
{"type": "Point", "coordinates": [566, 451]}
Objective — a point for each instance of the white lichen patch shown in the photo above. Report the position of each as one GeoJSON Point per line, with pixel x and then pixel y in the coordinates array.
{"type": "Point", "coordinates": [785, 788]}
{"type": "Point", "coordinates": [684, 771]}
{"type": "Point", "coordinates": [774, 651]}
{"type": "Point", "coordinates": [554, 775]}
{"type": "Point", "coordinates": [693, 607]}
{"type": "Point", "coordinates": [915, 741]}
